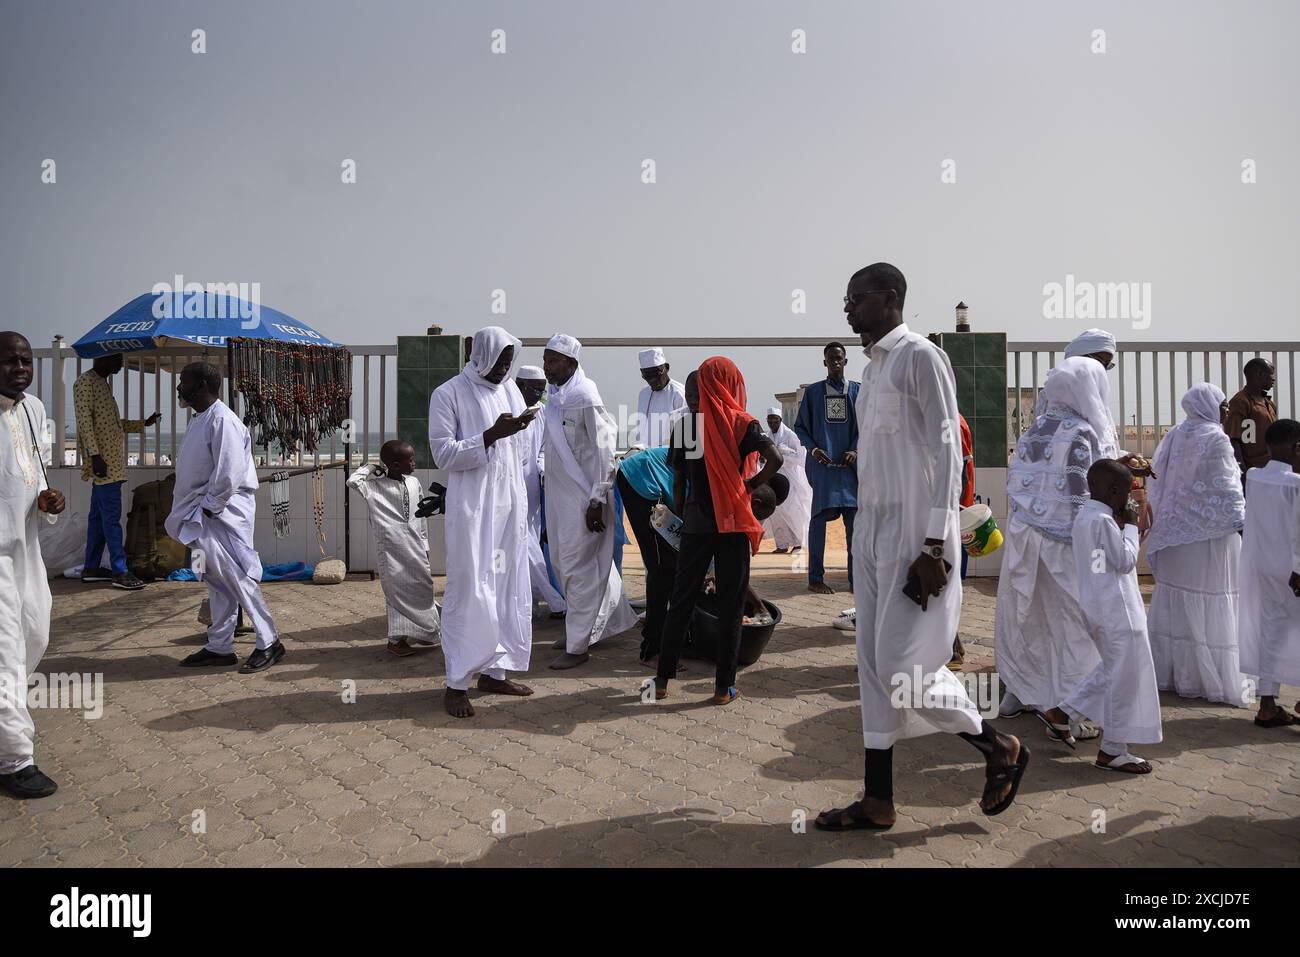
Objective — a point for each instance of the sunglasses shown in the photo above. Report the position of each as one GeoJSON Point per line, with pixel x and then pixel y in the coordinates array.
{"type": "Point", "coordinates": [855, 298]}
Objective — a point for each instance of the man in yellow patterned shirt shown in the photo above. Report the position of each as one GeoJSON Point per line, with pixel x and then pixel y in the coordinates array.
{"type": "Point", "coordinates": [101, 436]}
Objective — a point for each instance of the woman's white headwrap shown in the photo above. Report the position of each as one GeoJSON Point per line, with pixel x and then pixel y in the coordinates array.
{"type": "Point", "coordinates": [1196, 494]}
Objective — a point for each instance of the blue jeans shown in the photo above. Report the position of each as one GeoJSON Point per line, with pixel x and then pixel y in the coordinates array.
{"type": "Point", "coordinates": [104, 527]}
{"type": "Point", "coordinates": [817, 541]}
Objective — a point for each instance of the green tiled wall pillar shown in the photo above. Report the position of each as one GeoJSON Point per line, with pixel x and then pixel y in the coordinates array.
{"type": "Point", "coordinates": [423, 364]}
{"type": "Point", "coordinates": [979, 363]}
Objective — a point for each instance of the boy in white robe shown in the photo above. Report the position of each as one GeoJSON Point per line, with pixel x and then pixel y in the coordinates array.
{"type": "Point", "coordinates": [1120, 693]}
{"type": "Point", "coordinates": [1268, 621]}
{"type": "Point", "coordinates": [25, 504]}
{"type": "Point", "coordinates": [580, 441]}
{"type": "Point", "coordinates": [532, 386]}
{"type": "Point", "coordinates": [392, 496]}
{"type": "Point", "coordinates": [789, 525]}
{"type": "Point", "coordinates": [475, 421]}
{"type": "Point", "coordinates": [213, 507]}
{"type": "Point", "coordinates": [906, 593]}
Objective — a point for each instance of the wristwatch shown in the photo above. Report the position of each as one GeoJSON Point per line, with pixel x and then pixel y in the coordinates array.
{"type": "Point", "coordinates": [934, 551]}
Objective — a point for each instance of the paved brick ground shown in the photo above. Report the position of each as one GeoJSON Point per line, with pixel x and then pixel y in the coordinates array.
{"type": "Point", "coordinates": [286, 773]}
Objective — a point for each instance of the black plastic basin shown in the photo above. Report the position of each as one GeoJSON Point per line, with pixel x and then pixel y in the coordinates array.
{"type": "Point", "coordinates": [702, 641]}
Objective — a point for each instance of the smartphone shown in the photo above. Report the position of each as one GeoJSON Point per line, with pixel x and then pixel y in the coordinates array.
{"type": "Point", "coordinates": [531, 410]}
{"type": "Point", "coordinates": [913, 587]}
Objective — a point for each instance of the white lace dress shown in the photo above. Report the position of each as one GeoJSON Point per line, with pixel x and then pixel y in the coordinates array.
{"type": "Point", "coordinates": [1193, 550]}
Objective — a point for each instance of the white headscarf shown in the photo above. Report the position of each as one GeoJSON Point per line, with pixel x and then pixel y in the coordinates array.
{"type": "Point", "coordinates": [1090, 341]}
{"type": "Point", "coordinates": [1047, 479]}
{"type": "Point", "coordinates": [489, 343]}
{"type": "Point", "coordinates": [1197, 495]}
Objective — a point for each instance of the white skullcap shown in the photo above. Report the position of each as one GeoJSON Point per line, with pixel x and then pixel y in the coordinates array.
{"type": "Point", "coordinates": [651, 358]}
{"type": "Point", "coordinates": [530, 372]}
{"type": "Point", "coordinates": [775, 410]}
{"type": "Point", "coordinates": [1090, 341]}
{"type": "Point", "coordinates": [565, 345]}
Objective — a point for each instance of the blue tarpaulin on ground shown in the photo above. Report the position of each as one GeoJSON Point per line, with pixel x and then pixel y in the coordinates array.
{"type": "Point", "coordinates": [284, 572]}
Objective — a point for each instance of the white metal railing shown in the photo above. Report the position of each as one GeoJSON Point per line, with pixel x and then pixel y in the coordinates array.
{"type": "Point", "coordinates": [1150, 379]}
{"type": "Point", "coordinates": [374, 388]}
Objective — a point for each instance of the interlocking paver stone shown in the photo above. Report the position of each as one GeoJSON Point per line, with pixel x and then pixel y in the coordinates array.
{"type": "Point", "coordinates": [286, 773]}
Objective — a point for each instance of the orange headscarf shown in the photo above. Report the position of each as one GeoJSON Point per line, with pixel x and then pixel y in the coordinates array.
{"type": "Point", "coordinates": [724, 422]}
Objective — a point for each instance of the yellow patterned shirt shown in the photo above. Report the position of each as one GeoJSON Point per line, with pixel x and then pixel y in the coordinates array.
{"type": "Point", "coordinates": [101, 430]}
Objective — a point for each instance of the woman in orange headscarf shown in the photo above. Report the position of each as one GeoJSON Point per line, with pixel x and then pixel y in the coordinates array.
{"type": "Point", "coordinates": [714, 454]}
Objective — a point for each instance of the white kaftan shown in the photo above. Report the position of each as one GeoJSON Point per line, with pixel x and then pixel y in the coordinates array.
{"type": "Point", "coordinates": [1193, 549]}
{"type": "Point", "coordinates": [215, 471]}
{"type": "Point", "coordinates": [909, 480]}
{"type": "Point", "coordinates": [533, 472]}
{"type": "Point", "coordinates": [657, 411]}
{"type": "Point", "coordinates": [487, 623]}
{"type": "Point", "coordinates": [24, 590]}
{"type": "Point", "coordinates": [401, 552]}
{"type": "Point", "coordinates": [1268, 622]}
{"type": "Point", "coordinates": [1120, 694]}
{"type": "Point", "coordinates": [788, 525]}
{"type": "Point", "coordinates": [580, 440]}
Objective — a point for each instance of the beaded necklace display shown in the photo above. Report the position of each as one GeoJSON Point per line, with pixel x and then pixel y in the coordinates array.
{"type": "Point", "coordinates": [295, 395]}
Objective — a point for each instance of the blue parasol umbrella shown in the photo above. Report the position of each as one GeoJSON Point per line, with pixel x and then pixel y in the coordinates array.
{"type": "Point", "coordinates": [195, 321]}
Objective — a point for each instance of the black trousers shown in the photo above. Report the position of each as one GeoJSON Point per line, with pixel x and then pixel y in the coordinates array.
{"type": "Point", "coordinates": [660, 560]}
{"type": "Point", "coordinates": [729, 553]}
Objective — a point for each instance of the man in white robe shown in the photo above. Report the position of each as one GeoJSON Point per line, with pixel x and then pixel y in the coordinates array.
{"type": "Point", "coordinates": [25, 504]}
{"type": "Point", "coordinates": [532, 386]}
{"type": "Point", "coordinates": [213, 507]}
{"type": "Point", "coordinates": [392, 496]}
{"type": "Point", "coordinates": [1120, 693]}
{"type": "Point", "coordinates": [661, 403]}
{"type": "Point", "coordinates": [1268, 621]}
{"type": "Point", "coordinates": [906, 537]}
{"type": "Point", "coordinates": [580, 468]}
{"type": "Point", "coordinates": [1194, 549]}
{"type": "Point", "coordinates": [475, 421]}
{"type": "Point", "coordinates": [788, 526]}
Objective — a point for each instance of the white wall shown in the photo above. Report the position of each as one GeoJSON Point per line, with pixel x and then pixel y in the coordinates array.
{"type": "Point", "coordinates": [300, 545]}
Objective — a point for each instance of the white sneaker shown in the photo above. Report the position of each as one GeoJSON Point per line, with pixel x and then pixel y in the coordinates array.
{"type": "Point", "coordinates": [846, 623]}
{"type": "Point", "coordinates": [847, 612]}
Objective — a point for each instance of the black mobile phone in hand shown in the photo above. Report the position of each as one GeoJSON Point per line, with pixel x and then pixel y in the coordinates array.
{"type": "Point", "coordinates": [913, 587]}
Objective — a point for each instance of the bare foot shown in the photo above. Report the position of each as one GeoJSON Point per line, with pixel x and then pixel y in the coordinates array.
{"type": "Point", "coordinates": [820, 588]}
{"type": "Point", "coordinates": [503, 686]}
{"type": "Point", "coordinates": [457, 703]}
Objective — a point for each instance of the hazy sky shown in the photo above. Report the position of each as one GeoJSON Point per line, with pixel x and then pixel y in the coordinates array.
{"type": "Point", "coordinates": [775, 171]}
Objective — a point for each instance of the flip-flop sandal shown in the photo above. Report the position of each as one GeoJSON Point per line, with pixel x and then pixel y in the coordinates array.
{"type": "Point", "coordinates": [996, 779]}
{"type": "Point", "coordinates": [1280, 720]}
{"type": "Point", "coordinates": [732, 694]}
{"type": "Point", "coordinates": [1084, 730]}
{"type": "Point", "coordinates": [857, 821]}
{"type": "Point", "coordinates": [1123, 761]}
{"type": "Point", "coordinates": [1057, 732]}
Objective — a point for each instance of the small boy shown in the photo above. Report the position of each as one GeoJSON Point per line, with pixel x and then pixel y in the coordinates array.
{"type": "Point", "coordinates": [1268, 613]}
{"type": "Point", "coordinates": [392, 495]}
{"type": "Point", "coordinates": [1120, 694]}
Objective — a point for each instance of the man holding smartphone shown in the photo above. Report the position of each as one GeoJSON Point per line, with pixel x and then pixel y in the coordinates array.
{"type": "Point", "coordinates": [905, 541]}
